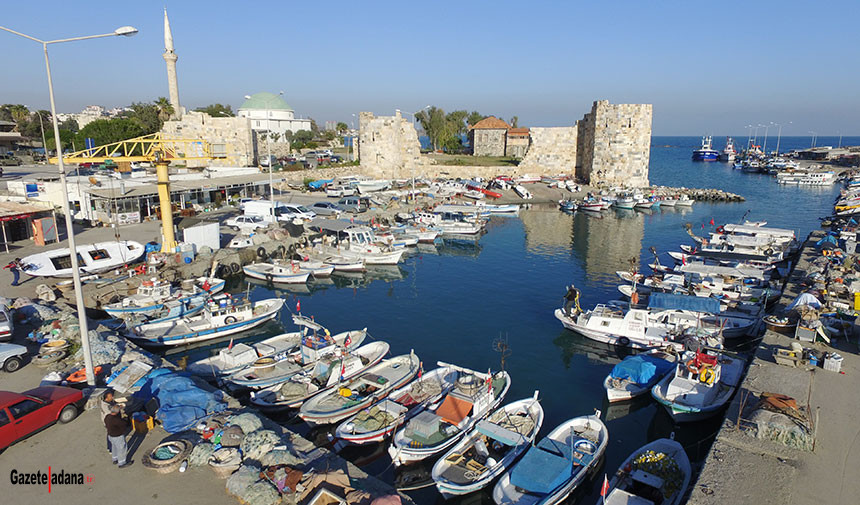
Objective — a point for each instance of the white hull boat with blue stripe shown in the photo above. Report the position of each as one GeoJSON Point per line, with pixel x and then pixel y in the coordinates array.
{"type": "Point", "coordinates": [218, 319]}
{"type": "Point", "coordinates": [277, 273]}
{"type": "Point", "coordinates": [152, 295]}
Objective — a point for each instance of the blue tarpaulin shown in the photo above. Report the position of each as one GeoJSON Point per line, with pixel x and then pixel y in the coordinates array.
{"type": "Point", "coordinates": [683, 302]}
{"type": "Point", "coordinates": [181, 404]}
{"type": "Point", "coordinates": [541, 471]}
{"type": "Point", "coordinates": [320, 183]}
{"type": "Point", "coordinates": [641, 369]}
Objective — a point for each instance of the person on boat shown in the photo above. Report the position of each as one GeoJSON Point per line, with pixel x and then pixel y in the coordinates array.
{"type": "Point", "coordinates": [15, 266]}
{"type": "Point", "coordinates": [116, 427]}
{"type": "Point", "coordinates": [571, 299]}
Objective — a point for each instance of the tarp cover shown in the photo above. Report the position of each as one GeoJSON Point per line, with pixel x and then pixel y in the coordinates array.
{"type": "Point", "coordinates": [320, 183]}
{"type": "Point", "coordinates": [541, 471]}
{"type": "Point", "coordinates": [641, 369]}
{"type": "Point", "coordinates": [453, 409]}
{"type": "Point", "coordinates": [683, 302]}
{"type": "Point", "coordinates": [805, 299]}
{"type": "Point", "coordinates": [181, 403]}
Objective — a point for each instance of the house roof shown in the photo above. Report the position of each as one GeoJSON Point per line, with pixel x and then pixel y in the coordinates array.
{"type": "Point", "coordinates": [518, 131]}
{"type": "Point", "coordinates": [265, 101]}
{"type": "Point", "coordinates": [491, 123]}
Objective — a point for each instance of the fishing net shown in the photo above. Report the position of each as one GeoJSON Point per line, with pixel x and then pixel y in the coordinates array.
{"type": "Point", "coordinates": [248, 422]}
{"type": "Point", "coordinates": [373, 419]}
{"type": "Point", "coordinates": [520, 422]}
{"type": "Point", "coordinates": [662, 465]}
{"type": "Point", "coordinates": [293, 390]}
{"type": "Point", "coordinates": [421, 391]}
{"type": "Point", "coordinates": [200, 454]}
{"type": "Point", "coordinates": [258, 443]}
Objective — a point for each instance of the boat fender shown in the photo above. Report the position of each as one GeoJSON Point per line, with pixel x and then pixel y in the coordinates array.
{"type": "Point", "coordinates": [270, 278]}
{"type": "Point", "coordinates": [624, 341]}
{"type": "Point", "coordinates": [261, 252]}
{"type": "Point", "coordinates": [768, 251]}
{"type": "Point", "coordinates": [234, 267]}
{"type": "Point", "coordinates": [825, 252]}
{"type": "Point", "coordinates": [720, 229]}
{"type": "Point", "coordinates": [281, 250]}
{"type": "Point", "coordinates": [140, 270]}
{"type": "Point", "coordinates": [345, 392]}
{"type": "Point", "coordinates": [229, 320]}
{"type": "Point", "coordinates": [295, 268]}
{"type": "Point", "coordinates": [707, 376]}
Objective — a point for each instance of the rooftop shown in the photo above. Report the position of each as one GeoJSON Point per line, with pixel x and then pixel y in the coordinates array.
{"type": "Point", "coordinates": [16, 210]}
{"type": "Point", "coordinates": [182, 186]}
{"type": "Point", "coordinates": [491, 123]}
{"type": "Point", "coordinates": [265, 101]}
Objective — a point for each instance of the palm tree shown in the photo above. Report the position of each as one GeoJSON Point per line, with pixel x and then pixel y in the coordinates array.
{"type": "Point", "coordinates": [165, 109]}
{"type": "Point", "coordinates": [20, 114]}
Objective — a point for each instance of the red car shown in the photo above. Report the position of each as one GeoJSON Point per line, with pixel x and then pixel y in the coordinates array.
{"type": "Point", "coordinates": [22, 414]}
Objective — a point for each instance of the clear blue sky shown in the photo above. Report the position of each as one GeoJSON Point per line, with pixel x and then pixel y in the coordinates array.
{"type": "Point", "coordinates": [707, 67]}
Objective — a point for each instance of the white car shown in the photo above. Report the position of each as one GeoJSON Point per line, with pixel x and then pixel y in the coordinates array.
{"type": "Point", "coordinates": [245, 223]}
{"type": "Point", "coordinates": [290, 211]}
{"type": "Point", "coordinates": [339, 191]}
{"type": "Point", "coordinates": [6, 325]}
{"type": "Point", "coordinates": [12, 356]}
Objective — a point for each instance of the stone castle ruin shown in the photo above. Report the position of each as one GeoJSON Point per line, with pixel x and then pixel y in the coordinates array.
{"type": "Point", "coordinates": [610, 145]}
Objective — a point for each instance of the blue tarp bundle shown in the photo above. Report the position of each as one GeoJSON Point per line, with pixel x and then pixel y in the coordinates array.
{"type": "Point", "coordinates": [181, 404]}
{"type": "Point", "coordinates": [641, 369]}
{"type": "Point", "coordinates": [828, 238]}
{"type": "Point", "coordinates": [683, 302]}
{"type": "Point", "coordinates": [320, 183]}
{"type": "Point", "coordinates": [543, 468]}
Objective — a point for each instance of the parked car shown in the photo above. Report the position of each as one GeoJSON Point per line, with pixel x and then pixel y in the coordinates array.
{"type": "Point", "coordinates": [335, 159]}
{"type": "Point", "coordinates": [6, 325]}
{"type": "Point", "coordinates": [243, 201]}
{"type": "Point", "coordinates": [327, 209]}
{"type": "Point", "coordinates": [12, 356]}
{"type": "Point", "coordinates": [9, 160]}
{"type": "Point", "coordinates": [245, 223]}
{"type": "Point", "coordinates": [354, 204]}
{"type": "Point", "coordinates": [22, 414]}
{"type": "Point", "coordinates": [339, 191]}
{"type": "Point", "coordinates": [290, 211]}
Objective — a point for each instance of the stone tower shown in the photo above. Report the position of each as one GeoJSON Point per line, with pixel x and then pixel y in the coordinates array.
{"type": "Point", "coordinates": [614, 144]}
{"type": "Point", "coordinates": [170, 58]}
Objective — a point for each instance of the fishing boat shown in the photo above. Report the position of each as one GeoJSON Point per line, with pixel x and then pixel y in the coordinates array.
{"type": "Point", "coordinates": [523, 193]}
{"type": "Point", "coordinates": [474, 194]}
{"type": "Point", "coordinates": [277, 273]}
{"type": "Point", "coordinates": [235, 357]}
{"type": "Point", "coordinates": [684, 201]}
{"type": "Point", "coordinates": [729, 152]}
{"type": "Point", "coordinates": [636, 375]}
{"type": "Point", "coordinates": [590, 205]}
{"type": "Point", "coordinates": [316, 343]}
{"type": "Point", "coordinates": [635, 328]}
{"type": "Point", "coordinates": [701, 386]}
{"type": "Point", "coordinates": [170, 310]}
{"type": "Point", "coordinates": [487, 450]}
{"type": "Point", "coordinates": [220, 317]}
{"type": "Point", "coordinates": [658, 472]}
{"type": "Point", "coordinates": [326, 373]}
{"type": "Point", "coordinates": [381, 420]}
{"type": "Point", "coordinates": [625, 202]}
{"type": "Point", "coordinates": [92, 259]}
{"type": "Point", "coordinates": [706, 152]}
{"type": "Point", "coordinates": [451, 223]}
{"type": "Point", "coordinates": [369, 186]}
{"type": "Point", "coordinates": [553, 468]}
{"type": "Point", "coordinates": [152, 294]}
{"type": "Point", "coordinates": [355, 242]}
{"type": "Point", "coordinates": [341, 264]}
{"type": "Point", "coordinates": [567, 205]}
{"type": "Point", "coordinates": [360, 392]}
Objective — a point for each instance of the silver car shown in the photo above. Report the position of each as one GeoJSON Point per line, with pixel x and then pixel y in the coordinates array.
{"type": "Point", "coordinates": [327, 209]}
{"type": "Point", "coordinates": [12, 356]}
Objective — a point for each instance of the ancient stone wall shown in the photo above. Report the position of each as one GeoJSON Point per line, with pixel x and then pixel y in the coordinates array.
{"type": "Point", "coordinates": [615, 144]}
{"type": "Point", "coordinates": [551, 151]}
{"type": "Point", "coordinates": [517, 146]}
{"type": "Point", "coordinates": [488, 141]}
{"type": "Point", "coordinates": [388, 147]}
{"type": "Point", "coordinates": [229, 137]}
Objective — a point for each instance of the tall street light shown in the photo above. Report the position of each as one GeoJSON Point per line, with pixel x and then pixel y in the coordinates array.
{"type": "Point", "coordinates": [413, 126]}
{"type": "Point", "coordinates": [766, 128]}
{"type": "Point", "coordinates": [814, 134]}
{"type": "Point", "coordinates": [269, 153]}
{"type": "Point", "coordinates": [125, 31]}
{"type": "Point", "coordinates": [749, 135]}
{"type": "Point", "coordinates": [778, 135]}
{"type": "Point", "coordinates": [42, 126]}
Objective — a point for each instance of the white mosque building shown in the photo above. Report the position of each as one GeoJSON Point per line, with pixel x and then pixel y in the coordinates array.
{"type": "Point", "coordinates": [270, 112]}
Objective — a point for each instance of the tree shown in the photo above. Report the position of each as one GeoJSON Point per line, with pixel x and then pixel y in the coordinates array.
{"type": "Point", "coordinates": [146, 115]}
{"type": "Point", "coordinates": [107, 131]}
{"type": "Point", "coordinates": [341, 127]}
{"type": "Point", "coordinates": [329, 135]}
{"type": "Point", "coordinates": [274, 136]}
{"type": "Point", "coordinates": [515, 122]}
{"type": "Point", "coordinates": [67, 140]}
{"type": "Point", "coordinates": [474, 117]}
{"type": "Point", "coordinates": [70, 125]}
{"type": "Point", "coordinates": [435, 125]}
{"type": "Point", "coordinates": [457, 120]}
{"type": "Point", "coordinates": [303, 136]}
{"type": "Point", "coordinates": [314, 128]}
{"type": "Point", "coordinates": [165, 109]}
{"type": "Point", "coordinates": [217, 110]}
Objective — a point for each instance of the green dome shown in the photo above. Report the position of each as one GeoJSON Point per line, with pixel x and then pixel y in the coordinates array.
{"type": "Point", "coordinates": [265, 101]}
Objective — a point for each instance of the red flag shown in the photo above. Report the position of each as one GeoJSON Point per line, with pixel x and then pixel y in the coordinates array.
{"type": "Point", "coordinates": [604, 489]}
{"type": "Point", "coordinates": [712, 221]}
{"type": "Point", "coordinates": [298, 305]}
{"type": "Point", "coordinates": [231, 344]}
{"type": "Point", "coordinates": [342, 367]}
{"type": "Point", "coordinates": [347, 341]}
{"type": "Point", "coordinates": [420, 369]}
{"type": "Point", "coordinates": [683, 259]}
{"type": "Point", "coordinates": [703, 226]}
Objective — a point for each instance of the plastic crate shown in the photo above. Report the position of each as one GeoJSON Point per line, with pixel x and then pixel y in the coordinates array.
{"type": "Point", "coordinates": [833, 363]}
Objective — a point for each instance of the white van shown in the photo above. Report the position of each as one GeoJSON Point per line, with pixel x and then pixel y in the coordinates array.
{"type": "Point", "coordinates": [262, 208]}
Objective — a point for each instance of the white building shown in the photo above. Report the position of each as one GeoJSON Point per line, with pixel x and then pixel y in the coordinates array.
{"type": "Point", "coordinates": [281, 117]}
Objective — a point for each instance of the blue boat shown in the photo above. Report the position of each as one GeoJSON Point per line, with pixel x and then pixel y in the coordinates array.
{"type": "Point", "coordinates": [706, 152]}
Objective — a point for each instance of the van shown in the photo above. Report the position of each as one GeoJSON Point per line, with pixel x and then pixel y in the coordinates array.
{"type": "Point", "coordinates": [262, 208]}
{"type": "Point", "coordinates": [354, 204]}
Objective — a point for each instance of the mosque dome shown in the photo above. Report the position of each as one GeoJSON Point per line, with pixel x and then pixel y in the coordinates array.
{"type": "Point", "coordinates": [265, 101]}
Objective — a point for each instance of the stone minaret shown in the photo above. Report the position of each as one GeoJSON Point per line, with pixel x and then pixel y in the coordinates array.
{"type": "Point", "coordinates": [170, 58]}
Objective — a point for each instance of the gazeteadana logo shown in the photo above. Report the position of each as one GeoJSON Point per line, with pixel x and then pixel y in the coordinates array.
{"type": "Point", "coordinates": [50, 478]}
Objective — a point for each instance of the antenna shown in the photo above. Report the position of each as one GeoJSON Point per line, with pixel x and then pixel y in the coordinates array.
{"type": "Point", "coordinates": [500, 345]}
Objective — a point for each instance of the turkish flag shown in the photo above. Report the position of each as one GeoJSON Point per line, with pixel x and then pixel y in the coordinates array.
{"type": "Point", "coordinates": [298, 305]}
{"type": "Point", "coordinates": [712, 221]}
{"type": "Point", "coordinates": [604, 489]}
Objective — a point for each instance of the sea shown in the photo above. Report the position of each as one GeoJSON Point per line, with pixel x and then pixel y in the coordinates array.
{"type": "Point", "coordinates": [489, 303]}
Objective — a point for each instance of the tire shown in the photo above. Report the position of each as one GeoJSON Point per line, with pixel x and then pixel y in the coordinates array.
{"type": "Point", "coordinates": [235, 268]}
{"type": "Point", "coordinates": [229, 320]}
{"type": "Point", "coordinates": [68, 414]}
{"type": "Point", "coordinates": [261, 252]}
{"type": "Point", "coordinates": [281, 251]}
{"type": "Point", "coordinates": [624, 341]}
{"type": "Point", "coordinates": [168, 465]}
{"type": "Point", "coordinates": [236, 228]}
{"type": "Point", "coordinates": [47, 359]}
{"type": "Point", "coordinates": [12, 364]}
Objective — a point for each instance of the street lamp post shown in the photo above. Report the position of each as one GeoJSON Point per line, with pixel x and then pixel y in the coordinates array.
{"type": "Point", "coordinates": [814, 134]}
{"type": "Point", "coordinates": [766, 128]}
{"type": "Point", "coordinates": [413, 126]}
{"type": "Point", "coordinates": [269, 154]}
{"type": "Point", "coordinates": [125, 31]}
{"type": "Point", "coordinates": [778, 136]}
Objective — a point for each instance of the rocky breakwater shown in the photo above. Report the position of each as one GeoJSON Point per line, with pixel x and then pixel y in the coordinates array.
{"type": "Point", "coordinates": [698, 194]}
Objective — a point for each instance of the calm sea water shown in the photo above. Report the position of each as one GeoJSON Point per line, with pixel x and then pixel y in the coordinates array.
{"type": "Point", "coordinates": [453, 302]}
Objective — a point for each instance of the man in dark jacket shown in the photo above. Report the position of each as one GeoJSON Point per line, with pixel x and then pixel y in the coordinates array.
{"type": "Point", "coordinates": [571, 298]}
{"type": "Point", "coordinates": [15, 267]}
{"type": "Point", "coordinates": [116, 428]}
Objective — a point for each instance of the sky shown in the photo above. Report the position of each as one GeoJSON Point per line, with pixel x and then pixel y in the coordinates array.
{"type": "Point", "coordinates": [708, 68]}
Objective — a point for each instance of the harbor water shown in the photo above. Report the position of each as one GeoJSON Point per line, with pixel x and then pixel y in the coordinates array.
{"type": "Point", "coordinates": [474, 303]}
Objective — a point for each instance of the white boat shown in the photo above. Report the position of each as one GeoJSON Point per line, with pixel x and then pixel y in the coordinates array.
{"type": "Point", "coordinates": [489, 448]}
{"type": "Point", "coordinates": [523, 193]}
{"type": "Point", "coordinates": [340, 263]}
{"type": "Point", "coordinates": [728, 154]}
{"type": "Point", "coordinates": [473, 194]}
{"type": "Point", "coordinates": [684, 201]}
{"type": "Point", "coordinates": [660, 468]}
{"type": "Point", "coordinates": [381, 420]}
{"type": "Point", "coordinates": [316, 344]}
{"type": "Point", "coordinates": [701, 386]}
{"type": "Point", "coordinates": [439, 427]}
{"type": "Point", "coordinates": [324, 374]}
{"type": "Point", "coordinates": [277, 273]}
{"type": "Point", "coordinates": [369, 186]}
{"type": "Point", "coordinates": [92, 259]}
{"type": "Point", "coordinates": [450, 223]}
{"type": "Point", "coordinates": [807, 178]}
{"type": "Point", "coordinates": [636, 375]}
{"type": "Point", "coordinates": [232, 358]}
{"type": "Point", "coordinates": [221, 317]}
{"type": "Point", "coordinates": [553, 468]}
{"type": "Point", "coordinates": [153, 294]}
{"type": "Point", "coordinates": [376, 383]}
{"type": "Point", "coordinates": [239, 242]}
{"type": "Point", "coordinates": [625, 202]}
{"type": "Point", "coordinates": [635, 328]}
{"type": "Point", "coordinates": [355, 243]}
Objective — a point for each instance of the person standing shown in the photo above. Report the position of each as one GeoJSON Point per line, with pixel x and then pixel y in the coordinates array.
{"type": "Point", "coordinates": [571, 298]}
{"type": "Point", "coordinates": [15, 267]}
{"type": "Point", "coordinates": [116, 428]}
{"type": "Point", "coordinates": [105, 403]}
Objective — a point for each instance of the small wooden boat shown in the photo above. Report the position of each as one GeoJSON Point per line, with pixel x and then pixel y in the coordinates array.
{"type": "Point", "coordinates": [780, 324]}
{"type": "Point", "coordinates": [489, 448]}
{"type": "Point", "coordinates": [221, 317]}
{"type": "Point", "coordinates": [551, 470]}
{"type": "Point", "coordinates": [152, 294]}
{"type": "Point", "coordinates": [660, 468]}
{"type": "Point", "coordinates": [376, 423]}
{"type": "Point", "coordinates": [92, 259]}
{"type": "Point", "coordinates": [361, 392]}
{"type": "Point", "coordinates": [636, 375]}
{"type": "Point", "coordinates": [523, 193]}
{"type": "Point", "coordinates": [277, 273]}
{"type": "Point", "coordinates": [326, 373]}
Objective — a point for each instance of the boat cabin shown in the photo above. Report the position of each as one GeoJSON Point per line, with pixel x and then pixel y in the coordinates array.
{"type": "Point", "coordinates": [154, 289]}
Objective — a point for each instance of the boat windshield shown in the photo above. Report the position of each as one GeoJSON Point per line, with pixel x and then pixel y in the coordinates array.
{"type": "Point", "coordinates": [65, 261]}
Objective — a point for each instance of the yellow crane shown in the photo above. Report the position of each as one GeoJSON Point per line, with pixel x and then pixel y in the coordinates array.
{"type": "Point", "coordinates": [157, 150]}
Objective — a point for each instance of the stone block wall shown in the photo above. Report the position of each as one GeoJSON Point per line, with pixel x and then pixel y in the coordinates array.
{"type": "Point", "coordinates": [488, 141]}
{"type": "Point", "coordinates": [230, 136]}
{"type": "Point", "coordinates": [388, 147]}
{"type": "Point", "coordinates": [517, 146]}
{"type": "Point", "coordinates": [551, 151]}
{"type": "Point", "coordinates": [615, 144]}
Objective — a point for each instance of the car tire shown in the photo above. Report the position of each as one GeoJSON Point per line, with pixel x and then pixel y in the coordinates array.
{"type": "Point", "coordinates": [12, 364]}
{"type": "Point", "coordinates": [68, 414]}
{"type": "Point", "coordinates": [236, 228]}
